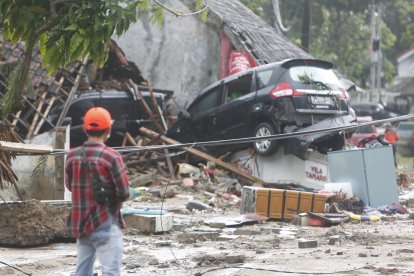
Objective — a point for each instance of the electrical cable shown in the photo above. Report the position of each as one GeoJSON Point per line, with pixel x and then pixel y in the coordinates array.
{"type": "Point", "coordinates": [15, 268]}
{"type": "Point", "coordinates": [245, 139]}
{"type": "Point", "coordinates": [281, 271]}
{"type": "Point", "coordinates": [162, 227]}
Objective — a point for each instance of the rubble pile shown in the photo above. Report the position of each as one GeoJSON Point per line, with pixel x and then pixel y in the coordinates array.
{"type": "Point", "coordinates": [33, 223]}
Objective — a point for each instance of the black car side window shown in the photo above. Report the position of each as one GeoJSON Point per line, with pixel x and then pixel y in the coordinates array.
{"type": "Point", "coordinates": [238, 87]}
{"type": "Point", "coordinates": [263, 78]}
{"type": "Point", "coordinates": [209, 100]}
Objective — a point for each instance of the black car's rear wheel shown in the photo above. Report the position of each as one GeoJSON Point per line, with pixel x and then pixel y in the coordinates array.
{"type": "Point", "coordinates": [265, 147]}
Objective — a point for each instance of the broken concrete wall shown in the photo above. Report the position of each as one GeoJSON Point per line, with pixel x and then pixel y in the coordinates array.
{"type": "Point", "coordinates": [182, 55]}
{"type": "Point", "coordinates": [39, 177]}
{"type": "Point", "coordinates": [281, 168]}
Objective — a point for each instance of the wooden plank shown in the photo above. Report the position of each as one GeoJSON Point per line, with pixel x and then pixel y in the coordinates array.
{"type": "Point", "coordinates": [16, 118]}
{"type": "Point", "coordinates": [25, 148]}
{"type": "Point", "coordinates": [42, 120]}
{"type": "Point", "coordinates": [149, 133]}
{"type": "Point", "coordinates": [155, 105]}
{"type": "Point", "coordinates": [36, 116]}
{"type": "Point", "coordinates": [124, 141]}
{"type": "Point", "coordinates": [72, 92]}
{"type": "Point", "coordinates": [146, 107]}
{"type": "Point", "coordinates": [130, 139]}
{"type": "Point", "coordinates": [40, 114]}
{"type": "Point", "coordinates": [161, 116]}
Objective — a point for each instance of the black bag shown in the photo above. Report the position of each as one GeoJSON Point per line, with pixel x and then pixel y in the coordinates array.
{"type": "Point", "coordinates": [103, 193]}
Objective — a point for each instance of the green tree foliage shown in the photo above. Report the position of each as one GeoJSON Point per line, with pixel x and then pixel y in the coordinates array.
{"type": "Point", "coordinates": [68, 30]}
{"type": "Point", "coordinates": [340, 31]}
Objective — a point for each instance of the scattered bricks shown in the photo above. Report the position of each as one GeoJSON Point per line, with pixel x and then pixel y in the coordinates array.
{"type": "Point", "coordinates": [162, 243]}
{"type": "Point", "coordinates": [234, 258]}
{"type": "Point", "coordinates": [260, 251]}
{"type": "Point", "coordinates": [389, 219]}
{"type": "Point", "coordinates": [163, 265]}
{"type": "Point", "coordinates": [374, 255]}
{"type": "Point", "coordinates": [153, 262]}
{"type": "Point", "coordinates": [405, 250]}
{"type": "Point", "coordinates": [246, 232]}
{"type": "Point", "coordinates": [197, 205]}
{"type": "Point", "coordinates": [411, 216]}
{"type": "Point", "coordinates": [191, 237]}
{"type": "Point", "coordinates": [300, 220]}
{"type": "Point", "coordinates": [265, 238]}
{"type": "Point", "coordinates": [218, 225]}
{"type": "Point", "coordinates": [410, 202]}
{"type": "Point", "coordinates": [339, 253]}
{"type": "Point", "coordinates": [333, 239]}
{"type": "Point", "coordinates": [363, 255]}
{"type": "Point", "coordinates": [178, 227]}
{"type": "Point", "coordinates": [302, 243]}
{"type": "Point", "coordinates": [328, 251]}
{"type": "Point", "coordinates": [277, 230]}
{"type": "Point", "coordinates": [149, 224]}
{"type": "Point", "coordinates": [389, 254]}
{"type": "Point", "coordinates": [224, 237]}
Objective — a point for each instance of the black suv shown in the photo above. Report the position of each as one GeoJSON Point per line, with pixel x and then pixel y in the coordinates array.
{"type": "Point", "coordinates": [125, 107]}
{"type": "Point", "coordinates": [275, 98]}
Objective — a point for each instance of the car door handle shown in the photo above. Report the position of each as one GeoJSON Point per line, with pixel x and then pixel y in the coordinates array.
{"type": "Point", "coordinates": [214, 120]}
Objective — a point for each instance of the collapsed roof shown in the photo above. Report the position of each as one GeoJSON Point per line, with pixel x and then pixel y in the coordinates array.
{"type": "Point", "coordinates": [251, 33]}
{"type": "Point", "coordinates": [57, 88]}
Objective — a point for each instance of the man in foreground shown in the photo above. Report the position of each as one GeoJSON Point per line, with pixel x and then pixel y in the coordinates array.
{"type": "Point", "coordinates": [95, 174]}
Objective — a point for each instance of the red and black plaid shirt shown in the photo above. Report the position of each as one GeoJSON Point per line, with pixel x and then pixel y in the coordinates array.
{"type": "Point", "coordinates": [86, 215]}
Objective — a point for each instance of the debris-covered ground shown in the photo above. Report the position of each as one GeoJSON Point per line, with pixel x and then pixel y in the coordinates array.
{"type": "Point", "coordinates": [258, 248]}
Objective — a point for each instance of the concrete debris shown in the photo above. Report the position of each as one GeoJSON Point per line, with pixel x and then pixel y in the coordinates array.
{"type": "Point", "coordinates": [197, 205]}
{"type": "Point", "coordinates": [219, 258]}
{"type": "Point", "coordinates": [150, 224]}
{"type": "Point", "coordinates": [303, 243]}
{"type": "Point", "coordinates": [334, 239]}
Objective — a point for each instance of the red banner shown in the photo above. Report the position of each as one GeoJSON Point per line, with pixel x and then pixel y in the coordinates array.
{"type": "Point", "coordinates": [240, 61]}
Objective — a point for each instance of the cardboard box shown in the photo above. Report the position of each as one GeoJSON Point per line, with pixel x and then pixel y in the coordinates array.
{"type": "Point", "coordinates": [280, 204]}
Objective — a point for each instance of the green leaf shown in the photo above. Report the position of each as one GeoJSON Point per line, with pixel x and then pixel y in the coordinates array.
{"type": "Point", "coordinates": [43, 40]}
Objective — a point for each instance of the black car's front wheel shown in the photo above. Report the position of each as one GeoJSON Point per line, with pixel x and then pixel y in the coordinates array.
{"type": "Point", "coordinates": [265, 147]}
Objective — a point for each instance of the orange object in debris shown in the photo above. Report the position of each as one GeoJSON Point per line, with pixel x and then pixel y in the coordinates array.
{"type": "Point", "coordinates": [280, 204]}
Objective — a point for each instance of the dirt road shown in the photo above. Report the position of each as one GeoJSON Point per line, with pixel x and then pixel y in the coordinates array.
{"type": "Point", "coordinates": [270, 248]}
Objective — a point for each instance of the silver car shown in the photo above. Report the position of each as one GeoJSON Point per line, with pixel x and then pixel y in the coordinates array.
{"type": "Point", "coordinates": [405, 146]}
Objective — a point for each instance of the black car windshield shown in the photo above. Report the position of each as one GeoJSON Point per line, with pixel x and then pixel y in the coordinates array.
{"type": "Point", "coordinates": [311, 75]}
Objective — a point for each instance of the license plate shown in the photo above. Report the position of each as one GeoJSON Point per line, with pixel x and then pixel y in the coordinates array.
{"type": "Point", "coordinates": [321, 100]}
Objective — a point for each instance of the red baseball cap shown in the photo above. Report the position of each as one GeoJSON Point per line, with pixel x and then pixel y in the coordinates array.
{"type": "Point", "coordinates": [97, 118]}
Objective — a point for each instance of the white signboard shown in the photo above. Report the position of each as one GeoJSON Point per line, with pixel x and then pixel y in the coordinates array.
{"type": "Point", "coordinates": [316, 173]}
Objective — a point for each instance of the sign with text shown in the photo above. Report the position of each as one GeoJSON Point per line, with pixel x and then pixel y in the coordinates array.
{"type": "Point", "coordinates": [316, 173]}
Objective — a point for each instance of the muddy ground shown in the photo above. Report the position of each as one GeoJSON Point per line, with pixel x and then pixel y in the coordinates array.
{"type": "Point", "coordinates": [268, 248]}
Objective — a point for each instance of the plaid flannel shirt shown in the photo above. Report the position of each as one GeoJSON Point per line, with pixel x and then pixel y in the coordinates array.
{"type": "Point", "coordinates": [86, 215]}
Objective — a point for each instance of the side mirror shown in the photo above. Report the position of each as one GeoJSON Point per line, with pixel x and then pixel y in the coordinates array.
{"type": "Point", "coordinates": [184, 115]}
{"type": "Point", "coordinates": [67, 121]}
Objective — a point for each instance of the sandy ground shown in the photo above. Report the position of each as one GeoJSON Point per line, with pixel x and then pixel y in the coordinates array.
{"type": "Point", "coordinates": [270, 248]}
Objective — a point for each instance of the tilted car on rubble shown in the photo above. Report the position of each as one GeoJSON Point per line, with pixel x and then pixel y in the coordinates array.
{"type": "Point", "coordinates": [126, 108]}
{"type": "Point", "coordinates": [283, 97]}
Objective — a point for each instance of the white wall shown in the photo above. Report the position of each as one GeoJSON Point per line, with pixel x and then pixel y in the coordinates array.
{"type": "Point", "coordinates": [182, 55]}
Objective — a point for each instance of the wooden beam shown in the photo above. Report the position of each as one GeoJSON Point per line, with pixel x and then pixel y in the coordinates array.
{"type": "Point", "coordinates": [72, 92]}
{"type": "Point", "coordinates": [36, 116]}
{"type": "Point", "coordinates": [48, 108]}
{"type": "Point", "coordinates": [24, 148]}
{"type": "Point", "coordinates": [16, 118]}
{"type": "Point", "coordinates": [149, 133]}
{"type": "Point", "coordinates": [144, 103]}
